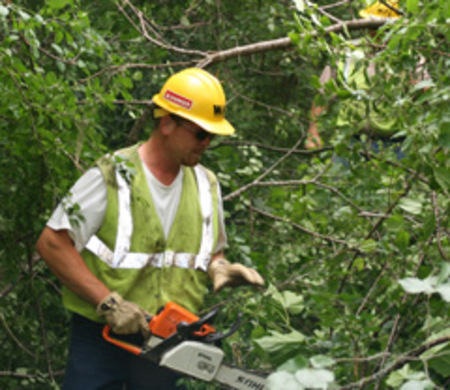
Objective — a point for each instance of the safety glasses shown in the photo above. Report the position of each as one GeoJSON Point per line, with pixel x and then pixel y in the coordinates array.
{"type": "Point", "coordinates": [199, 133]}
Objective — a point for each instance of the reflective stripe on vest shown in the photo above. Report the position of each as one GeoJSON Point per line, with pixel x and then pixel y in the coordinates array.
{"type": "Point", "coordinates": [123, 258]}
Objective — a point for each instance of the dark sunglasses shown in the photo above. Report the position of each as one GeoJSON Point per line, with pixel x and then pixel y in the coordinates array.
{"type": "Point", "coordinates": [199, 134]}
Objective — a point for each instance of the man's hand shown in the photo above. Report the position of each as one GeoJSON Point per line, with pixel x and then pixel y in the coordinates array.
{"type": "Point", "coordinates": [224, 274]}
{"type": "Point", "coordinates": [124, 317]}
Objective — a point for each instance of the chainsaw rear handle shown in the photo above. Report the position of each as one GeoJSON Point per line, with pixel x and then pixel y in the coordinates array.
{"type": "Point", "coordinates": [120, 343]}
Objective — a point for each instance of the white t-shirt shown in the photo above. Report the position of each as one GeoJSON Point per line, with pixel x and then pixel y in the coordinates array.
{"type": "Point", "coordinates": [90, 197]}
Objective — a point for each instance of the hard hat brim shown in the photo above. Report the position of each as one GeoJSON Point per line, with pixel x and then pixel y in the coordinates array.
{"type": "Point", "coordinates": [219, 127]}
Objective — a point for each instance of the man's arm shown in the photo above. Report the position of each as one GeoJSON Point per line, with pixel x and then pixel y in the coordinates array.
{"type": "Point", "coordinates": [57, 250]}
{"type": "Point", "coordinates": [313, 139]}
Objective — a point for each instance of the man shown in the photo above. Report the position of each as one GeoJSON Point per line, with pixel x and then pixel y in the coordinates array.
{"type": "Point", "coordinates": [149, 230]}
{"type": "Point", "coordinates": [356, 114]}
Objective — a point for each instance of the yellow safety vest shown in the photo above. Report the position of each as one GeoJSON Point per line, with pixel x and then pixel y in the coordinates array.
{"type": "Point", "coordinates": [130, 253]}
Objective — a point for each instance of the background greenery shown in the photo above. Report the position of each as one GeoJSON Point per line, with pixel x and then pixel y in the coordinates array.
{"type": "Point", "coordinates": [355, 255]}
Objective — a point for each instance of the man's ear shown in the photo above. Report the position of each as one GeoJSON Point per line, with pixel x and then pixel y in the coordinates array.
{"type": "Point", "coordinates": [167, 125]}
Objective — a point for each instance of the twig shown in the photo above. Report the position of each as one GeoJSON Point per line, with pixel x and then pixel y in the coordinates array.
{"type": "Point", "coordinates": [270, 148]}
{"type": "Point", "coordinates": [142, 28]}
{"type": "Point", "coordinates": [372, 288]}
{"type": "Point", "coordinates": [262, 176]}
{"type": "Point", "coordinates": [13, 374]}
{"type": "Point", "coordinates": [334, 5]}
{"type": "Point", "coordinates": [396, 10]}
{"type": "Point", "coordinates": [304, 230]}
{"type": "Point", "coordinates": [397, 317]}
{"type": "Point", "coordinates": [15, 339]}
{"type": "Point", "coordinates": [410, 356]}
{"type": "Point", "coordinates": [438, 227]}
{"type": "Point", "coordinates": [376, 227]}
{"type": "Point", "coordinates": [119, 68]}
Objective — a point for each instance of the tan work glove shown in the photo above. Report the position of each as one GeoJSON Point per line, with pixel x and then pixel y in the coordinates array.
{"type": "Point", "coordinates": [224, 274]}
{"type": "Point", "coordinates": [123, 316]}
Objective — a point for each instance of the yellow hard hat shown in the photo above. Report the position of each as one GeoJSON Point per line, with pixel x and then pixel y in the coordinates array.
{"type": "Point", "coordinates": [197, 96]}
{"type": "Point", "coordinates": [380, 10]}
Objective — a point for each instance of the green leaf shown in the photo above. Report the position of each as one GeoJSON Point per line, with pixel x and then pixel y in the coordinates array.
{"type": "Point", "coordinates": [359, 264]}
{"type": "Point", "coordinates": [59, 36]}
{"type": "Point", "coordinates": [39, 19]}
{"type": "Point", "coordinates": [4, 11]}
{"type": "Point", "coordinates": [412, 6]}
{"type": "Point", "coordinates": [417, 286]}
{"type": "Point", "coordinates": [395, 223]}
{"type": "Point", "coordinates": [283, 380]}
{"type": "Point", "coordinates": [294, 364]}
{"type": "Point", "coordinates": [368, 246]}
{"type": "Point", "coordinates": [138, 76]}
{"type": "Point", "coordinates": [57, 48]}
{"type": "Point", "coordinates": [402, 240]}
{"type": "Point", "coordinates": [442, 176]}
{"type": "Point", "coordinates": [299, 5]}
{"type": "Point", "coordinates": [279, 347]}
{"type": "Point", "coordinates": [444, 133]}
{"type": "Point", "coordinates": [322, 361]}
{"type": "Point", "coordinates": [429, 226]}
{"type": "Point", "coordinates": [418, 385]}
{"type": "Point", "coordinates": [410, 205]}
{"type": "Point", "coordinates": [184, 21]}
{"type": "Point", "coordinates": [25, 16]}
{"type": "Point", "coordinates": [294, 37]}
{"type": "Point", "coordinates": [290, 301]}
{"type": "Point", "coordinates": [398, 377]}
{"type": "Point", "coordinates": [315, 82]}
{"type": "Point", "coordinates": [343, 93]}
{"type": "Point", "coordinates": [311, 378]}
{"type": "Point", "coordinates": [444, 274]}
{"type": "Point", "coordinates": [444, 291]}
{"type": "Point", "coordinates": [58, 3]}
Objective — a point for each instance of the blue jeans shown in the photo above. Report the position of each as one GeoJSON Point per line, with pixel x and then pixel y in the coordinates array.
{"type": "Point", "coordinates": [95, 364]}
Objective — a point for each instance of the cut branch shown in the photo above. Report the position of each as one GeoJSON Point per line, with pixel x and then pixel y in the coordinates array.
{"type": "Point", "coordinates": [286, 43]}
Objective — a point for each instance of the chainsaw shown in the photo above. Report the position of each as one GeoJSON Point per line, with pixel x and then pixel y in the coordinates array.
{"type": "Point", "coordinates": [187, 344]}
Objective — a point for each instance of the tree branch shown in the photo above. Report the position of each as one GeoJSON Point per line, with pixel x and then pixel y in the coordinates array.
{"type": "Point", "coordinates": [286, 43]}
{"type": "Point", "coordinates": [410, 356]}
{"type": "Point", "coordinates": [303, 229]}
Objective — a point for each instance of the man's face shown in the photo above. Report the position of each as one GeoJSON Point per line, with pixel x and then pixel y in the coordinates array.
{"type": "Point", "coordinates": [190, 140]}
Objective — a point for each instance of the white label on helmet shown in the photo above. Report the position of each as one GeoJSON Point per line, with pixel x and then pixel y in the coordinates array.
{"type": "Point", "coordinates": [178, 99]}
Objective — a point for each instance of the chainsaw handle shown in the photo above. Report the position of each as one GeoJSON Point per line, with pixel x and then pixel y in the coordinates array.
{"type": "Point", "coordinates": [199, 328]}
{"type": "Point", "coordinates": [122, 344]}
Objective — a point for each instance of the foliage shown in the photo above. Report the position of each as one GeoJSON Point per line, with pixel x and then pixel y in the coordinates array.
{"type": "Point", "coordinates": [353, 242]}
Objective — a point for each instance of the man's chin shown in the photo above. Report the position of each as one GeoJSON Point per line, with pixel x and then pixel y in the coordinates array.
{"type": "Point", "coordinates": [190, 162]}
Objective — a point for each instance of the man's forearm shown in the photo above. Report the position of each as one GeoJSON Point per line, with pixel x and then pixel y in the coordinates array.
{"type": "Point", "coordinates": [58, 251]}
{"type": "Point", "coordinates": [313, 138]}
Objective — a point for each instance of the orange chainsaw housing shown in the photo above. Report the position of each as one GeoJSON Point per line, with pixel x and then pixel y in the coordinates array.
{"type": "Point", "coordinates": [164, 324]}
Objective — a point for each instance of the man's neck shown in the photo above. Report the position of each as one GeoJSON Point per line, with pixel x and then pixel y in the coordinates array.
{"type": "Point", "coordinates": [155, 159]}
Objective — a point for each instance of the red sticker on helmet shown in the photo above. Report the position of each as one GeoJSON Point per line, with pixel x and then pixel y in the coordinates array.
{"type": "Point", "coordinates": [178, 99]}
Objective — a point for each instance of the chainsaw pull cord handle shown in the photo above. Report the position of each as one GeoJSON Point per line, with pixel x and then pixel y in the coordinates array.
{"type": "Point", "coordinates": [199, 328]}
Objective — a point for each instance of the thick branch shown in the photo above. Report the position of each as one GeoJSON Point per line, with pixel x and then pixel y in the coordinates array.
{"type": "Point", "coordinates": [286, 43]}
